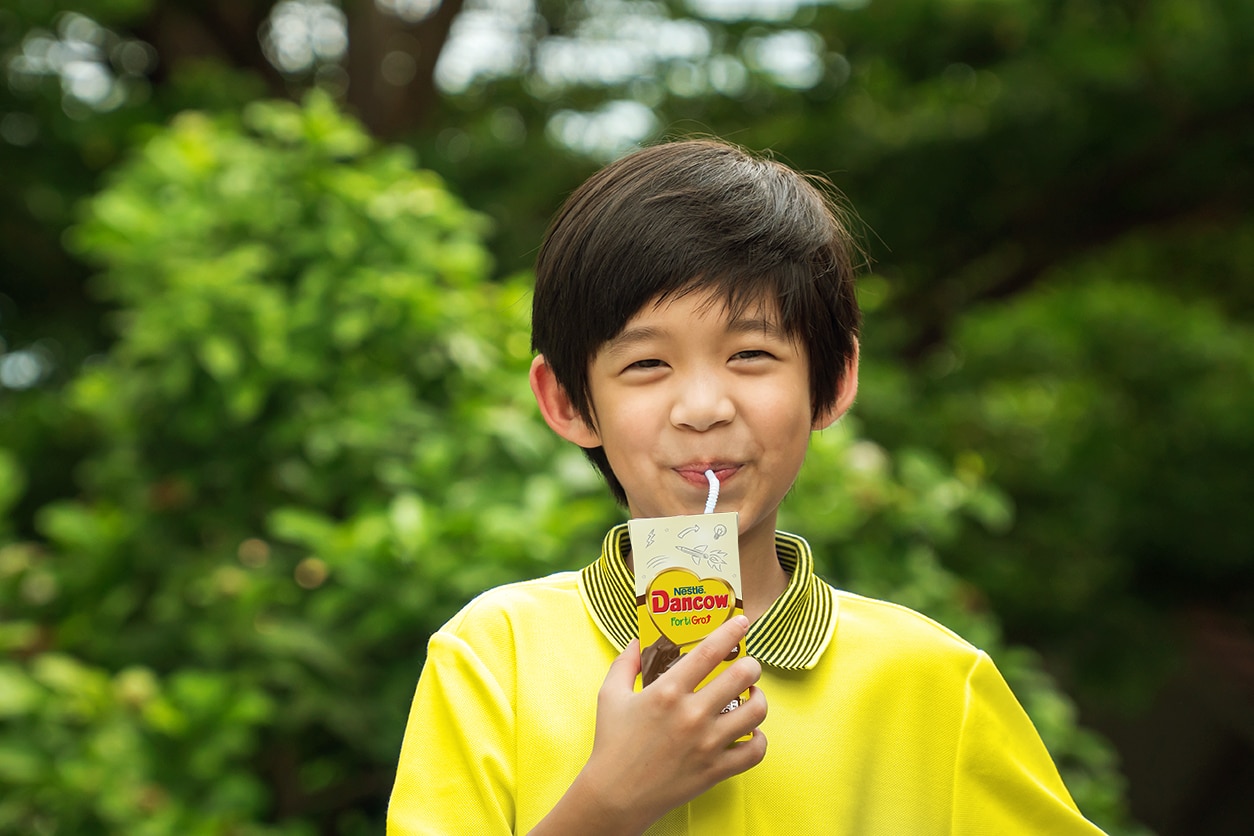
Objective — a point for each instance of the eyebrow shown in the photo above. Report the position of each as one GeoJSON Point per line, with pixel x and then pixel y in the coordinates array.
{"type": "Point", "coordinates": [746, 325]}
{"type": "Point", "coordinates": [624, 341]}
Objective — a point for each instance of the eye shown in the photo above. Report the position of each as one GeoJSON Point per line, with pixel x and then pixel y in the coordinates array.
{"type": "Point", "coordinates": [752, 354]}
{"type": "Point", "coordinates": [651, 363]}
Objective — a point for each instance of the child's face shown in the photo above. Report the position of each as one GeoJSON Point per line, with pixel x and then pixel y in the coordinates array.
{"type": "Point", "coordinates": [683, 389]}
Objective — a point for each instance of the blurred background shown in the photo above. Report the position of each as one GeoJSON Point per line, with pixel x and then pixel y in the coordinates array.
{"type": "Point", "coordinates": [264, 424]}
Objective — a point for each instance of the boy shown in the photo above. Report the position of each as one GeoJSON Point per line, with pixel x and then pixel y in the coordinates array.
{"type": "Point", "coordinates": [694, 310]}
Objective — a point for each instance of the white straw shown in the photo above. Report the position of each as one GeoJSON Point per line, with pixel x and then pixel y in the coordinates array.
{"type": "Point", "coordinates": [712, 499]}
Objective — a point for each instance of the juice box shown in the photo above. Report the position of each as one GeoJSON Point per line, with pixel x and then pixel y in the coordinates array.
{"type": "Point", "coordinates": [687, 584]}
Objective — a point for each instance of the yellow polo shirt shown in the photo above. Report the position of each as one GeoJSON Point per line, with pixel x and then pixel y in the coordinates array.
{"type": "Point", "coordinates": [881, 721]}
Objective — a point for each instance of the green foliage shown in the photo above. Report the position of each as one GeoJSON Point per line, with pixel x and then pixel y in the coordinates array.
{"type": "Point", "coordinates": [310, 442]}
{"type": "Point", "coordinates": [1121, 409]}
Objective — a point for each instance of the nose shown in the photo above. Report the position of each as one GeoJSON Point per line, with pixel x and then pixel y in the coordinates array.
{"type": "Point", "coordinates": [701, 403]}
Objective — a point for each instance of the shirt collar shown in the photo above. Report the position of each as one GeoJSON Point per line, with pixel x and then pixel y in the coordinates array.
{"type": "Point", "coordinates": [792, 634]}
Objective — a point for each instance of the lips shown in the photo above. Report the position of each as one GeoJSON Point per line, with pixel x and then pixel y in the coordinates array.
{"type": "Point", "coordinates": [695, 473]}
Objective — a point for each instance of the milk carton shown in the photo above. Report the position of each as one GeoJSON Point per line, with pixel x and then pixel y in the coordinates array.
{"type": "Point", "coordinates": [687, 584]}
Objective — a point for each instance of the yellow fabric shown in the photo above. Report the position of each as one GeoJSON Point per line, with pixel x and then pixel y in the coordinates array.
{"type": "Point", "coordinates": [900, 727]}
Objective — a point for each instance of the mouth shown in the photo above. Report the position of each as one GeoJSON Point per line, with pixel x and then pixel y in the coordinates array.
{"type": "Point", "coordinates": [694, 473]}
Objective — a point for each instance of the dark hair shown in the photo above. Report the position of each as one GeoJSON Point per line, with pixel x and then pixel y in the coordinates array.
{"type": "Point", "coordinates": [696, 215]}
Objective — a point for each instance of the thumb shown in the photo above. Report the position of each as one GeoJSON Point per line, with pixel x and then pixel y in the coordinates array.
{"type": "Point", "coordinates": [625, 668]}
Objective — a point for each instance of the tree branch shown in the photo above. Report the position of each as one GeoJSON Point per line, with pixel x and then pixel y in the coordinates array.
{"type": "Point", "coordinates": [391, 66]}
{"type": "Point", "coordinates": [1096, 207]}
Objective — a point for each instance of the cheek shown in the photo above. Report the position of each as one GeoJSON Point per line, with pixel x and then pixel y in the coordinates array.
{"type": "Point", "coordinates": [781, 412]}
{"type": "Point", "coordinates": [625, 437]}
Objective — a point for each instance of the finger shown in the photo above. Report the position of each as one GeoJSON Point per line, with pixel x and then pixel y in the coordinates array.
{"type": "Point", "coordinates": [746, 717]}
{"type": "Point", "coordinates": [696, 664]}
{"type": "Point", "coordinates": [729, 685]}
{"type": "Point", "coordinates": [743, 756]}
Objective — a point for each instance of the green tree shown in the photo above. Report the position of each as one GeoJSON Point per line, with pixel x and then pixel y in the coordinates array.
{"type": "Point", "coordinates": [307, 433]}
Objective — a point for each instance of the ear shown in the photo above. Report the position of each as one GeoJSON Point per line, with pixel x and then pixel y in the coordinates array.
{"type": "Point", "coordinates": [556, 407]}
{"type": "Point", "coordinates": [845, 397]}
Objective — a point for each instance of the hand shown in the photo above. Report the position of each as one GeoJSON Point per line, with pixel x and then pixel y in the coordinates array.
{"type": "Point", "coordinates": [665, 745]}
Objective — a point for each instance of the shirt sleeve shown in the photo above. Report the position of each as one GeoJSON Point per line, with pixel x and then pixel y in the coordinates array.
{"type": "Point", "coordinates": [1005, 782]}
{"type": "Point", "coordinates": [456, 768]}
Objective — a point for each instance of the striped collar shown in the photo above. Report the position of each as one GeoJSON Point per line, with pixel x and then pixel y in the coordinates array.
{"type": "Point", "coordinates": [792, 634]}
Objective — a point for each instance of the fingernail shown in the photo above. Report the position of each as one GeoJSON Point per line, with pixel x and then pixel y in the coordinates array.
{"type": "Point", "coordinates": [742, 621]}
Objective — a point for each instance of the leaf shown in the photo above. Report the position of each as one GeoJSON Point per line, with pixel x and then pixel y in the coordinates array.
{"type": "Point", "coordinates": [19, 694]}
